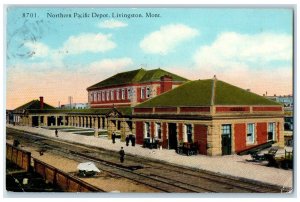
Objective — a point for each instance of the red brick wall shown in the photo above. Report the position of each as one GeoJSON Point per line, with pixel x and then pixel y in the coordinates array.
{"type": "Point", "coordinates": [180, 132]}
{"type": "Point", "coordinates": [139, 127]}
{"type": "Point", "coordinates": [110, 106]}
{"type": "Point", "coordinates": [138, 94]}
{"type": "Point", "coordinates": [126, 96]}
{"type": "Point", "coordinates": [194, 109]}
{"type": "Point", "coordinates": [115, 95]}
{"type": "Point", "coordinates": [200, 137]}
{"type": "Point", "coordinates": [152, 129]}
{"type": "Point", "coordinates": [139, 99]}
{"type": "Point", "coordinates": [166, 109]}
{"type": "Point", "coordinates": [267, 109]}
{"type": "Point", "coordinates": [262, 133]}
{"type": "Point", "coordinates": [240, 136]}
{"type": "Point", "coordinates": [164, 134]}
{"type": "Point", "coordinates": [143, 110]}
{"type": "Point", "coordinates": [232, 109]}
{"type": "Point", "coordinates": [158, 90]}
{"type": "Point", "coordinates": [166, 84]}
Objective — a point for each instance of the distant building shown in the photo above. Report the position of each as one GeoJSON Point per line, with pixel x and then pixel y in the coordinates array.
{"type": "Point", "coordinates": [75, 106]}
{"type": "Point", "coordinates": [24, 114]}
{"type": "Point", "coordinates": [131, 88]}
{"type": "Point", "coordinates": [286, 100]}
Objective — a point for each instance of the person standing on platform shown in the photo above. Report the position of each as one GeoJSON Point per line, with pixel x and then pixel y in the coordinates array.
{"type": "Point", "coordinates": [122, 154]}
{"type": "Point", "coordinates": [127, 140]}
{"type": "Point", "coordinates": [56, 133]}
{"type": "Point", "coordinates": [113, 137]}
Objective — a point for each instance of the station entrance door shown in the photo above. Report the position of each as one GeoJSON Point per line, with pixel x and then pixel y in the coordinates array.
{"type": "Point", "coordinates": [172, 135]}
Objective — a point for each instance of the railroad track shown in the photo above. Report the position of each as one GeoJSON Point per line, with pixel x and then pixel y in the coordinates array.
{"type": "Point", "coordinates": [164, 177]}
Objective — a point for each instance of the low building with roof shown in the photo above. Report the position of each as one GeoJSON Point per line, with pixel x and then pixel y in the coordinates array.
{"type": "Point", "coordinates": [132, 87]}
{"type": "Point", "coordinates": [22, 114]}
{"type": "Point", "coordinates": [220, 118]}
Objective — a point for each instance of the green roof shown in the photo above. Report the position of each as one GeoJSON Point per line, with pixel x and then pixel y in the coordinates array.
{"type": "Point", "coordinates": [136, 76]}
{"type": "Point", "coordinates": [75, 111]}
{"type": "Point", "coordinates": [227, 94]}
{"type": "Point", "coordinates": [95, 111]}
{"type": "Point", "coordinates": [200, 93]}
{"type": "Point", "coordinates": [125, 110]}
{"type": "Point", "coordinates": [34, 104]}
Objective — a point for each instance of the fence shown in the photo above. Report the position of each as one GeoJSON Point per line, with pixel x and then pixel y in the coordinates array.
{"type": "Point", "coordinates": [18, 156]}
{"type": "Point", "coordinates": [67, 182]}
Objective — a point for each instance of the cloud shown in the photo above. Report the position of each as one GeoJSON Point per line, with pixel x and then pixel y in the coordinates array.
{"type": "Point", "coordinates": [232, 49]}
{"type": "Point", "coordinates": [93, 43]}
{"type": "Point", "coordinates": [112, 24]}
{"type": "Point", "coordinates": [167, 38]}
{"type": "Point", "coordinates": [261, 62]}
{"type": "Point", "coordinates": [89, 42]}
{"type": "Point", "coordinates": [111, 64]}
{"type": "Point", "coordinates": [37, 49]}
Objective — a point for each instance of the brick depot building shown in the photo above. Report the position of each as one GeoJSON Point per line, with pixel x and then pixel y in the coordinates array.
{"type": "Point", "coordinates": [220, 118]}
{"type": "Point", "coordinates": [130, 88]}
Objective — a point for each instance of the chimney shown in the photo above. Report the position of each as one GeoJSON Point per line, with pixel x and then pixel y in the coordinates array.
{"type": "Point", "coordinates": [165, 83]}
{"type": "Point", "coordinates": [41, 102]}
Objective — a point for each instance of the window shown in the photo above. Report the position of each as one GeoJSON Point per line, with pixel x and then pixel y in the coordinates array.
{"type": "Point", "coordinates": [103, 96]}
{"type": "Point", "coordinates": [118, 94]}
{"type": "Point", "coordinates": [271, 131]}
{"type": "Point", "coordinates": [107, 95]}
{"type": "Point", "coordinates": [250, 133]}
{"type": "Point", "coordinates": [188, 133]}
{"type": "Point", "coordinates": [123, 94]}
{"type": "Point", "coordinates": [128, 93]}
{"type": "Point", "coordinates": [147, 130]}
{"type": "Point", "coordinates": [148, 92]}
{"type": "Point", "coordinates": [142, 93]}
{"type": "Point", "coordinates": [112, 95]}
{"type": "Point", "coordinates": [226, 129]}
{"type": "Point", "coordinates": [158, 130]}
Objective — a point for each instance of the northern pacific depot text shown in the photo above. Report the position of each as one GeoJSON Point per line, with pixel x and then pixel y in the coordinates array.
{"type": "Point", "coordinates": [103, 15]}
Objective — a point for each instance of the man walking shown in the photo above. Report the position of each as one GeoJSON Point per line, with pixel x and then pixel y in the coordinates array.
{"type": "Point", "coordinates": [122, 154]}
{"type": "Point", "coordinates": [56, 133]}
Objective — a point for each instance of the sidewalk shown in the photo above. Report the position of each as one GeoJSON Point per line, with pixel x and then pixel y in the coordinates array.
{"type": "Point", "coordinates": [232, 165]}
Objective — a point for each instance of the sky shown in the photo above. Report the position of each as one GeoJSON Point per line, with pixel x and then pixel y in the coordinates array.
{"type": "Point", "coordinates": [59, 52]}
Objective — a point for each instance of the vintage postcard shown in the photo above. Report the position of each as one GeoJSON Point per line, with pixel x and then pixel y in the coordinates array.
{"type": "Point", "coordinates": [149, 100]}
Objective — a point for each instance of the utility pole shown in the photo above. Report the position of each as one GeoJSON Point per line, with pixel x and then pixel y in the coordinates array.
{"type": "Point", "coordinates": [70, 101]}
